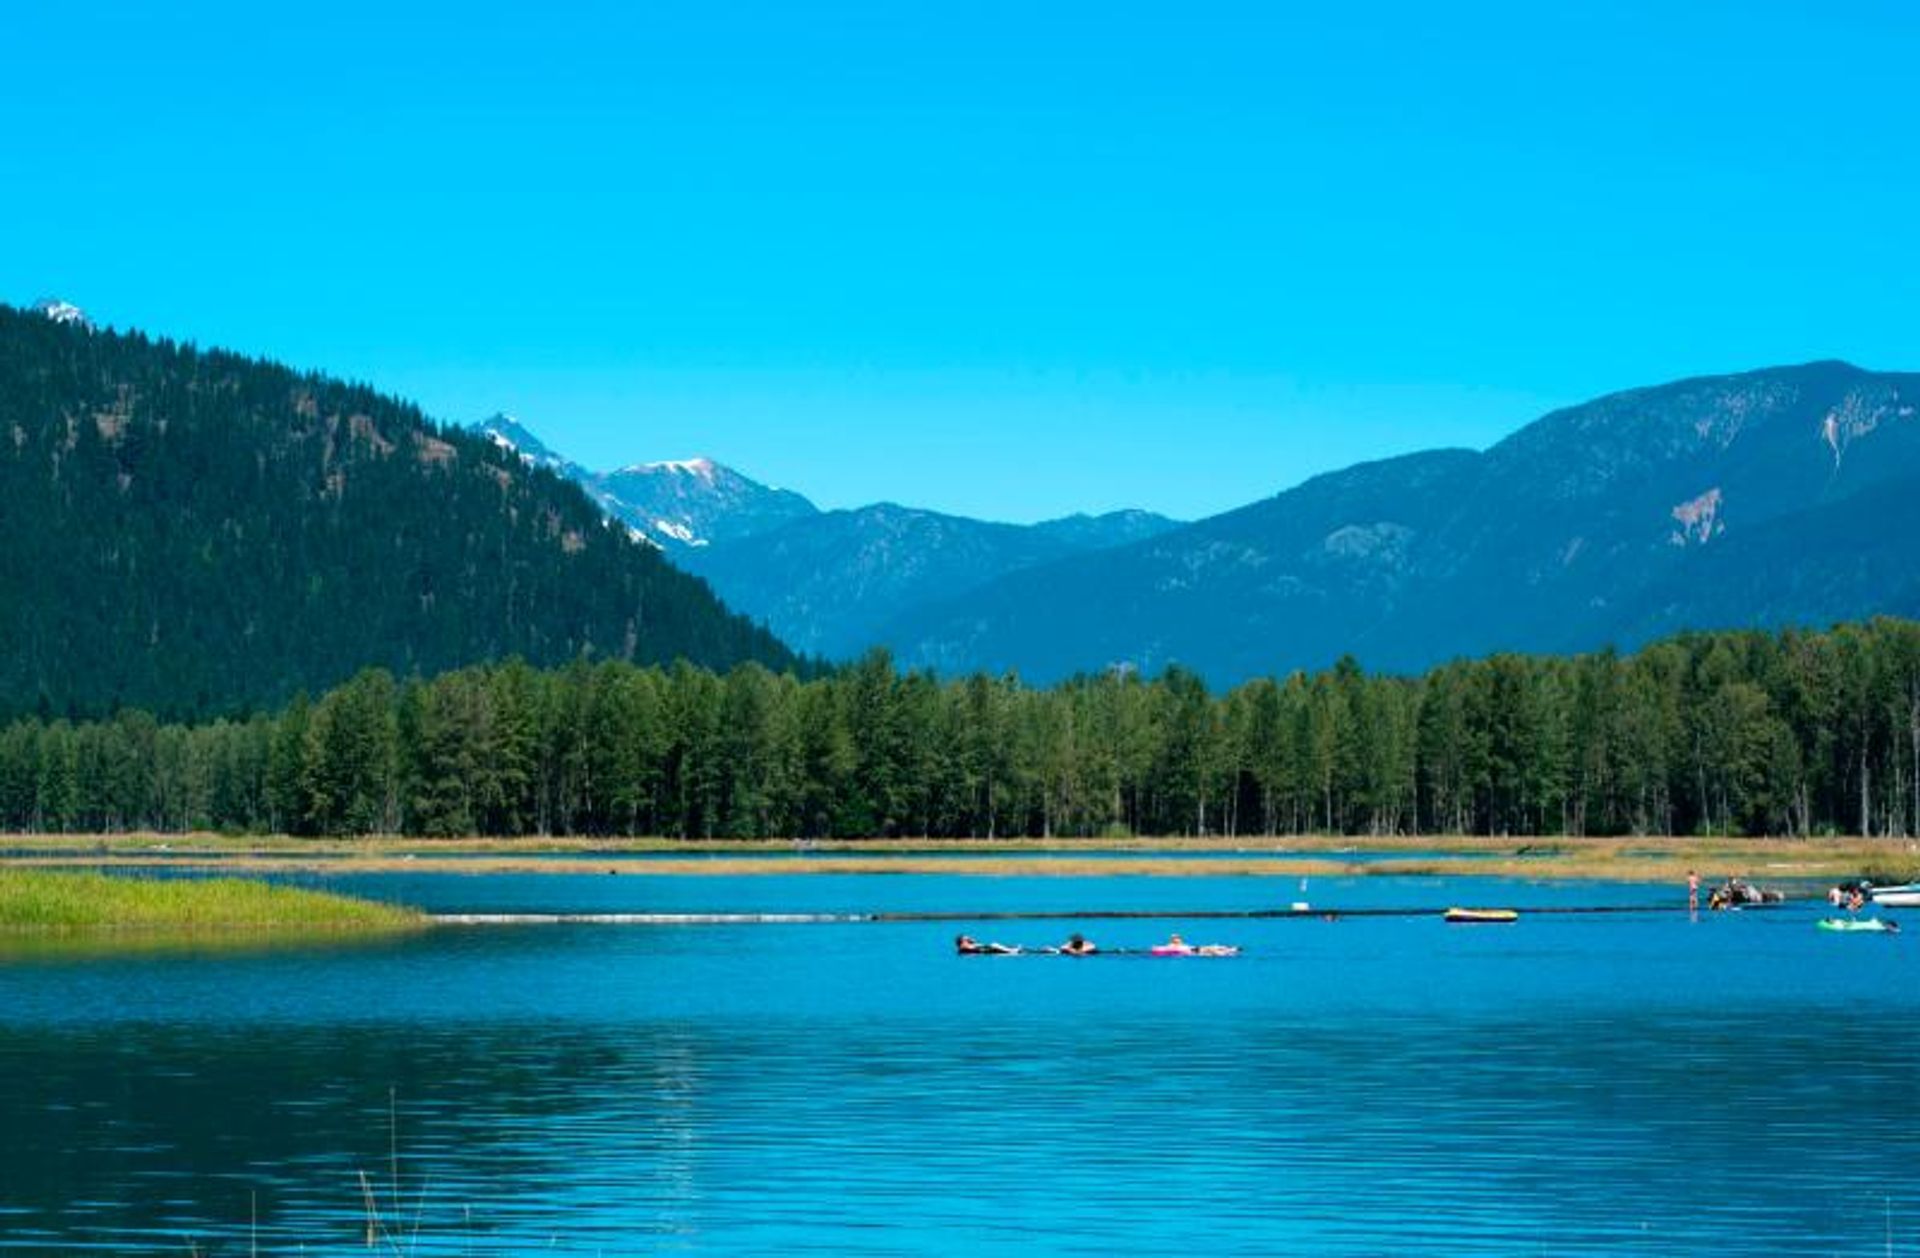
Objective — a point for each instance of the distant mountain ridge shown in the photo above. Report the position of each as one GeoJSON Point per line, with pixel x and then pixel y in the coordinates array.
{"type": "Point", "coordinates": [1782, 496]}
{"type": "Point", "coordinates": [834, 581]}
{"type": "Point", "coordinates": [194, 532]}
{"type": "Point", "coordinates": [697, 502]}
{"type": "Point", "coordinates": [675, 504]}
{"type": "Point", "coordinates": [826, 582]}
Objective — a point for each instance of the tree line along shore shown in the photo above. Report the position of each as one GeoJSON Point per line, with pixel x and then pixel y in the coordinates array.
{"type": "Point", "coordinates": [1733, 733]}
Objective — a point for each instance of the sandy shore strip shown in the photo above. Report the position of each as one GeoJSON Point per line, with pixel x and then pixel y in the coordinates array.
{"type": "Point", "coordinates": [1634, 859]}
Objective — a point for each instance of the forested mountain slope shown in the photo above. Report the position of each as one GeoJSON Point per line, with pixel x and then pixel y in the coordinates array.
{"type": "Point", "coordinates": [1769, 498]}
{"type": "Point", "coordinates": [195, 532]}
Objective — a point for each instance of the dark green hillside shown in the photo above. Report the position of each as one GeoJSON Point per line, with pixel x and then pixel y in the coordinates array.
{"type": "Point", "coordinates": [195, 532]}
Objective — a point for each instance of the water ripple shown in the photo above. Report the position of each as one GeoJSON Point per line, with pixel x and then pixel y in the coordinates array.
{"type": "Point", "coordinates": [1565, 1086]}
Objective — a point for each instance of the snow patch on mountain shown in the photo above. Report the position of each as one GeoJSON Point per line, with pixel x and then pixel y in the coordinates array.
{"type": "Point", "coordinates": [677, 505]}
{"type": "Point", "coordinates": [702, 467]}
{"type": "Point", "coordinates": [510, 435]}
{"type": "Point", "coordinates": [679, 532]}
{"type": "Point", "coordinates": [63, 312]}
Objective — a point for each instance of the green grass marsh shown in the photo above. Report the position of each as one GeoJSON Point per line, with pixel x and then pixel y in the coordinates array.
{"type": "Point", "coordinates": [48, 900]}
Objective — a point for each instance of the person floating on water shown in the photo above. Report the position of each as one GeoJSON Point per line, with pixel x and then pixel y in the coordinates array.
{"type": "Point", "coordinates": [1078, 946]}
{"type": "Point", "coordinates": [1178, 947]}
{"type": "Point", "coordinates": [968, 946]}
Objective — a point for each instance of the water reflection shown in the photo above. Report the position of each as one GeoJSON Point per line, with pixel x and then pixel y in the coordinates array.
{"type": "Point", "coordinates": [94, 945]}
{"type": "Point", "coordinates": [1621, 1084]}
{"type": "Point", "coordinates": [1643, 1134]}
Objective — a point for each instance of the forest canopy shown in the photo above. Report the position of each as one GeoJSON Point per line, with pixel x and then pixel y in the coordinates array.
{"type": "Point", "coordinates": [1738, 732]}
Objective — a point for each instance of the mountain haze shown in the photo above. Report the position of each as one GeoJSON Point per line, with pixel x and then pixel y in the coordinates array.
{"type": "Point", "coordinates": [192, 531]}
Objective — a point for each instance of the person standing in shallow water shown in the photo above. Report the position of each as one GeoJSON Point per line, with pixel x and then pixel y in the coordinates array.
{"type": "Point", "coordinates": [1693, 891]}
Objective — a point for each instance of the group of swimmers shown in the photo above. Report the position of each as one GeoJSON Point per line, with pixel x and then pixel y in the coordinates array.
{"type": "Point", "coordinates": [1851, 896]}
{"type": "Point", "coordinates": [1078, 945]}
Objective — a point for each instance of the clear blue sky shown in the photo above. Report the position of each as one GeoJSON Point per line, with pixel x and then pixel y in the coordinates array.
{"type": "Point", "coordinates": [1010, 259]}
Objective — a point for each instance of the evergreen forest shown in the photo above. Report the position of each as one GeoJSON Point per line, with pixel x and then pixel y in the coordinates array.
{"type": "Point", "coordinates": [199, 534]}
{"type": "Point", "coordinates": [1794, 732]}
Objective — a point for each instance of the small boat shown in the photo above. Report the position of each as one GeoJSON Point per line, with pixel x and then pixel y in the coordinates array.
{"type": "Point", "coordinates": [1904, 896]}
{"type": "Point", "coordinates": [1868, 924]}
{"type": "Point", "coordinates": [1481, 916]}
{"type": "Point", "coordinates": [1189, 950]}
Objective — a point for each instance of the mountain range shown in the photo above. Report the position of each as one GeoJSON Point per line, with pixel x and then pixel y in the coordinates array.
{"type": "Point", "coordinates": [827, 582]}
{"type": "Point", "coordinates": [1770, 498]}
{"type": "Point", "coordinates": [194, 531]}
{"type": "Point", "coordinates": [1782, 496]}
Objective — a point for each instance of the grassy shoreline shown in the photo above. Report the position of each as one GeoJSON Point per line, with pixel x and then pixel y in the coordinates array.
{"type": "Point", "coordinates": [46, 901]}
{"type": "Point", "coordinates": [1622, 859]}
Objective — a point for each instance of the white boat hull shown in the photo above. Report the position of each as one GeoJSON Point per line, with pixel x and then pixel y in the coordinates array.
{"type": "Point", "coordinates": [1898, 898]}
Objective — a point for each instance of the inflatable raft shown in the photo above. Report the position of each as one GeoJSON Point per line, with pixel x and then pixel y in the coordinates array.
{"type": "Point", "coordinates": [1869, 924]}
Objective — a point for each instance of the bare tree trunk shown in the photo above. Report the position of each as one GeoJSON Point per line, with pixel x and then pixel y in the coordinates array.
{"type": "Point", "coordinates": [1913, 744]}
{"type": "Point", "coordinates": [1866, 820]}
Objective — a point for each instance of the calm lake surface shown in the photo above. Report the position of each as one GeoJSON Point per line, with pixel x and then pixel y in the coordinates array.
{"type": "Point", "coordinates": [1633, 1082]}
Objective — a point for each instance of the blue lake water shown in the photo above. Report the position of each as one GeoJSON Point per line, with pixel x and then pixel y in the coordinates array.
{"type": "Point", "coordinates": [167, 854]}
{"type": "Point", "coordinates": [1634, 1082]}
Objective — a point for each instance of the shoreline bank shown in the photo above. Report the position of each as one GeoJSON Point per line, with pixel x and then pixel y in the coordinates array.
{"type": "Point", "coordinates": [1650, 859]}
